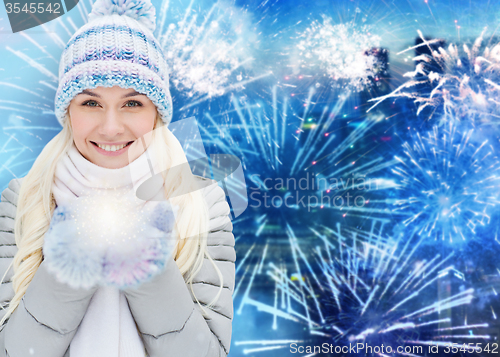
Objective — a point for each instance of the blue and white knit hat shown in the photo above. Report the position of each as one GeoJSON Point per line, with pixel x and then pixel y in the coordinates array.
{"type": "Point", "coordinates": [115, 48]}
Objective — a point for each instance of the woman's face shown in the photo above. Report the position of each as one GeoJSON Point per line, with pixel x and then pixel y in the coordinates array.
{"type": "Point", "coordinates": [110, 117]}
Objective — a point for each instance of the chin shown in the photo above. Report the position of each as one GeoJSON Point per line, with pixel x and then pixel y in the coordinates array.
{"type": "Point", "coordinates": [109, 165]}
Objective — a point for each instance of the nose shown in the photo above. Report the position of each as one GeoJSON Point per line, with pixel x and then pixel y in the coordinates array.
{"type": "Point", "coordinates": [111, 124]}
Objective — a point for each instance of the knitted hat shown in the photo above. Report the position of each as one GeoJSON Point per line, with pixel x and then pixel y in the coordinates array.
{"type": "Point", "coordinates": [115, 48]}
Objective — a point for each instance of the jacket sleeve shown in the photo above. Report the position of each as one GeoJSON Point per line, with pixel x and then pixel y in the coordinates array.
{"type": "Point", "coordinates": [167, 315]}
{"type": "Point", "coordinates": [49, 313]}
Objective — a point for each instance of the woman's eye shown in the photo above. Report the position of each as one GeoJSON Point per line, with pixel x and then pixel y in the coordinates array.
{"type": "Point", "coordinates": [90, 103]}
{"type": "Point", "coordinates": [133, 104]}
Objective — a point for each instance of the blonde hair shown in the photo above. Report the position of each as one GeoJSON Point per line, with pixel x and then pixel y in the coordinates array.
{"type": "Point", "coordinates": [36, 205]}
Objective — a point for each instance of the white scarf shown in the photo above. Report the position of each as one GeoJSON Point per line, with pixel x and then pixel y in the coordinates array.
{"type": "Point", "coordinates": [108, 328]}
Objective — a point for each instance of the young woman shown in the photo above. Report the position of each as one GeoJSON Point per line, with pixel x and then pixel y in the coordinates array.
{"type": "Point", "coordinates": [165, 290]}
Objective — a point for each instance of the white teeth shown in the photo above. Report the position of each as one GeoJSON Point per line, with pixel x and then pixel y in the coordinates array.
{"type": "Point", "coordinates": [111, 147]}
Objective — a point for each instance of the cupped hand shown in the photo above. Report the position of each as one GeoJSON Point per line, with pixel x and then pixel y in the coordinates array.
{"type": "Point", "coordinates": [67, 252]}
{"type": "Point", "coordinates": [115, 240]}
{"type": "Point", "coordinates": [146, 254]}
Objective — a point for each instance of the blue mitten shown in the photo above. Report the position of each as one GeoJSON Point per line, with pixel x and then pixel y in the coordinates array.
{"type": "Point", "coordinates": [67, 254]}
{"type": "Point", "coordinates": [131, 263]}
{"type": "Point", "coordinates": [109, 240]}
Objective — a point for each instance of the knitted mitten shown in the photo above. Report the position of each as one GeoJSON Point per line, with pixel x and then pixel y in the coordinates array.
{"type": "Point", "coordinates": [144, 254]}
{"type": "Point", "coordinates": [108, 240]}
{"type": "Point", "coordinates": [67, 254]}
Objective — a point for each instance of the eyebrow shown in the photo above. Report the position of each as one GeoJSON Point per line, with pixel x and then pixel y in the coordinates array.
{"type": "Point", "coordinates": [131, 94]}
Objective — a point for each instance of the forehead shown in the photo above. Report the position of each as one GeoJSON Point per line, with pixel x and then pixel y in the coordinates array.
{"type": "Point", "coordinates": [103, 91]}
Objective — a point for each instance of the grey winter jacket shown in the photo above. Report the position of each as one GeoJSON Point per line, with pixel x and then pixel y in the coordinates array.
{"type": "Point", "coordinates": [167, 316]}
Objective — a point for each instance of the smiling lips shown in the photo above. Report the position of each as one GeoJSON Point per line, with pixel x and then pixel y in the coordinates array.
{"type": "Point", "coordinates": [112, 147]}
{"type": "Point", "coordinates": [111, 150]}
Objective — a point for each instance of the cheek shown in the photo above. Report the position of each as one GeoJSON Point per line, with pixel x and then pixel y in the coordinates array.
{"type": "Point", "coordinates": [81, 127]}
{"type": "Point", "coordinates": [144, 125]}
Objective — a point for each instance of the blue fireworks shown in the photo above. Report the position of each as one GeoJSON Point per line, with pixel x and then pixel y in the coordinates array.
{"type": "Point", "coordinates": [449, 183]}
{"type": "Point", "coordinates": [361, 285]}
{"type": "Point", "coordinates": [372, 288]}
{"type": "Point", "coordinates": [209, 55]}
{"type": "Point", "coordinates": [295, 160]}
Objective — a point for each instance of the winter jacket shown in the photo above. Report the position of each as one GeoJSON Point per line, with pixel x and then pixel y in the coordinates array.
{"type": "Point", "coordinates": [164, 309]}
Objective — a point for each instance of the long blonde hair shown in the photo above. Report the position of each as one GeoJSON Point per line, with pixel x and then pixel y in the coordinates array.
{"type": "Point", "coordinates": [36, 205]}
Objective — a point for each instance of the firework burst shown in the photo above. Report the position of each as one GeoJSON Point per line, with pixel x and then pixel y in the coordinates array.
{"type": "Point", "coordinates": [213, 56]}
{"type": "Point", "coordinates": [450, 184]}
{"type": "Point", "coordinates": [372, 288]}
{"type": "Point", "coordinates": [457, 84]}
{"type": "Point", "coordinates": [346, 52]}
{"type": "Point", "coordinates": [304, 163]}
{"type": "Point", "coordinates": [298, 161]}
